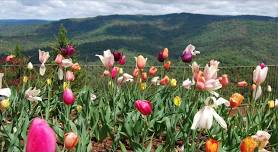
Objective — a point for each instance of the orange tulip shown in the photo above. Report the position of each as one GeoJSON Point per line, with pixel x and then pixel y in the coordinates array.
{"type": "Point", "coordinates": [165, 53]}
{"type": "Point", "coordinates": [212, 145]}
{"type": "Point", "coordinates": [242, 84]}
{"type": "Point", "coordinates": [135, 72]}
{"type": "Point", "coordinates": [70, 140]}
{"type": "Point", "coordinates": [152, 71]}
{"type": "Point", "coordinates": [165, 80]}
{"type": "Point", "coordinates": [167, 65]}
{"type": "Point", "coordinates": [248, 144]}
{"type": "Point", "coordinates": [140, 62]}
{"type": "Point", "coordinates": [76, 67]}
{"type": "Point", "coordinates": [144, 76]}
{"type": "Point", "coordinates": [236, 99]}
{"type": "Point", "coordinates": [224, 80]}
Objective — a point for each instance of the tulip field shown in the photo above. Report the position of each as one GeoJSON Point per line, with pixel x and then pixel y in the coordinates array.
{"type": "Point", "coordinates": [62, 105]}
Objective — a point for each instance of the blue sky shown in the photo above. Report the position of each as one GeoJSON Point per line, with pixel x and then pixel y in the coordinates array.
{"type": "Point", "coordinates": [59, 9]}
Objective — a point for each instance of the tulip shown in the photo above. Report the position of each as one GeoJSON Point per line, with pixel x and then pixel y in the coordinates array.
{"type": "Point", "coordinates": [1, 79]}
{"type": "Point", "coordinates": [152, 71]}
{"type": "Point", "coordinates": [167, 65]}
{"type": "Point", "coordinates": [30, 66]}
{"type": "Point", "coordinates": [259, 74]}
{"type": "Point", "coordinates": [58, 59]}
{"type": "Point", "coordinates": [4, 104]}
{"type": "Point", "coordinates": [93, 97]}
{"type": "Point", "coordinates": [43, 57]}
{"type": "Point", "coordinates": [224, 80]}
{"type": "Point", "coordinates": [177, 101]}
{"type": "Point", "coordinates": [6, 92]}
{"type": "Point", "coordinates": [114, 72]}
{"type": "Point", "coordinates": [106, 73]}
{"type": "Point", "coordinates": [49, 81]}
{"type": "Point", "coordinates": [122, 60]}
{"type": "Point", "coordinates": [212, 145]}
{"type": "Point", "coordinates": [70, 140]}
{"type": "Point", "coordinates": [155, 81]}
{"type": "Point", "coordinates": [60, 73]}
{"type": "Point", "coordinates": [248, 144]}
{"type": "Point", "coordinates": [253, 87]}
{"type": "Point", "coordinates": [269, 89]}
{"type": "Point", "coordinates": [140, 62]}
{"type": "Point", "coordinates": [165, 53]}
{"type": "Point", "coordinates": [79, 108]}
{"type": "Point", "coordinates": [25, 79]}
{"type": "Point", "coordinates": [143, 86]}
{"type": "Point", "coordinates": [66, 63]}
{"type": "Point", "coordinates": [32, 94]}
{"type": "Point", "coordinates": [121, 71]}
{"type": "Point", "coordinates": [9, 58]}
{"type": "Point", "coordinates": [40, 137]}
{"type": "Point", "coordinates": [144, 76]}
{"type": "Point", "coordinates": [65, 85]}
{"type": "Point", "coordinates": [271, 104]}
{"type": "Point", "coordinates": [203, 119]}
{"type": "Point", "coordinates": [242, 84]}
{"type": "Point", "coordinates": [173, 82]}
{"type": "Point", "coordinates": [187, 84]}
{"type": "Point", "coordinates": [69, 76]}
{"type": "Point", "coordinates": [276, 103]}
{"type": "Point", "coordinates": [160, 57]}
{"type": "Point", "coordinates": [107, 59]}
{"type": "Point", "coordinates": [125, 78]}
{"type": "Point", "coordinates": [69, 50]}
{"type": "Point", "coordinates": [164, 80]}
{"type": "Point", "coordinates": [188, 53]}
{"type": "Point", "coordinates": [135, 72]}
{"type": "Point", "coordinates": [68, 97]}
{"type": "Point", "coordinates": [143, 106]}
{"type": "Point", "coordinates": [235, 100]}
{"type": "Point", "coordinates": [76, 67]}
{"type": "Point", "coordinates": [117, 55]}
{"type": "Point", "coordinates": [262, 139]}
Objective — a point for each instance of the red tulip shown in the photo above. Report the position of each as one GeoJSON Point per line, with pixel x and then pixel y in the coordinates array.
{"type": "Point", "coordinates": [152, 71]}
{"type": "Point", "coordinates": [117, 55]}
{"type": "Point", "coordinates": [144, 76]}
{"type": "Point", "coordinates": [165, 80]}
{"type": "Point", "coordinates": [236, 99]}
{"type": "Point", "coordinates": [122, 60]}
{"type": "Point", "coordinates": [40, 137]}
{"type": "Point", "coordinates": [167, 65]}
{"type": "Point", "coordinates": [68, 96]}
{"type": "Point", "coordinates": [70, 140]}
{"type": "Point", "coordinates": [143, 106]}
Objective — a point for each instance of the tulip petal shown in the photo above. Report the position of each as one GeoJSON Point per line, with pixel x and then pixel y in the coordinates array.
{"type": "Point", "coordinates": [206, 118]}
{"type": "Point", "coordinates": [5, 92]}
{"type": "Point", "coordinates": [219, 119]}
{"type": "Point", "coordinates": [42, 69]}
{"type": "Point", "coordinates": [196, 120]}
{"type": "Point", "coordinates": [60, 74]}
{"type": "Point", "coordinates": [258, 92]}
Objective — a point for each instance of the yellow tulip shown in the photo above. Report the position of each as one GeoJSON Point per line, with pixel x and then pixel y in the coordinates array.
{"type": "Point", "coordinates": [143, 86]}
{"type": "Point", "coordinates": [65, 85]}
{"type": "Point", "coordinates": [25, 79]}
{"type": "Point", "coordinates": [49, 81]}
{"type": "Point", "coordinates": [271, 104]}
{"type": "Point", "coordinates": [79, 108]}
{"type": "Point", "coordinates": [177, 101]}
{"type": "Point", "coordinates": [4, 104]}
{"type": "Point", "coordinates": [173, 82]}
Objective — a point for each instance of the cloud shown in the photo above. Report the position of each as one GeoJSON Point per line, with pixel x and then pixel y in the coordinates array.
{"type": "Point", "coordinates": [58, 9]}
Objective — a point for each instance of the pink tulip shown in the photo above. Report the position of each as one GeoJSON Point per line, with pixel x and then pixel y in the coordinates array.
{"type": "Point", "coordinates": [224, 80]}
{"type": "Point", "coordinates": [68, 96]}
{"type": "Point", "coordinates": [114, 72]}
{"type": "Point", "coordinates": [140, 62]}
{"type": "Point", "coordinates": [107, 59]}
{"type": "Point", "coordinates": [143, 106]}
{"type": "Point", "coordinates": [9, 58]}
{"type": "Point", "coordinates": [106, 73]}
{"type": "Point", "coordinates": [59, 59]}
{"type": "Point", "coordinates": [69, 76]}
{"type": "Point", "coordinates": [43, 57]}
{"type": "Point", "coordinates": [259, 74]}
{"type": "Point", "coordinates": [70, 140]}
{"type": "Point", "coordinates": [122, 60]}
{"type": "Point", "coordinates": [40, 137]}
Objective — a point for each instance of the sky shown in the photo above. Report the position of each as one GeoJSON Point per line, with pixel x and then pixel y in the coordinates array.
{"type": "Point", "coordinates": [60, 9]}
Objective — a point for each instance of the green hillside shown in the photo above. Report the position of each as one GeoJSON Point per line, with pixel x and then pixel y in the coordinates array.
{"type": "Point", "coordinates": [234, 40]}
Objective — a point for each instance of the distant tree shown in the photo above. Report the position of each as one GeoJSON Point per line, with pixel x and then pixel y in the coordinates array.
{"type": "Point", "coordinates": [17, 51]}
{"type": "Point", "coordinates": [62, 36]}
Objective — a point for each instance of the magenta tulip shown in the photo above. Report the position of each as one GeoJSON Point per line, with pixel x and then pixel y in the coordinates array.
{"type": "Point", "coordinates": [114, 72]}
{"type": "Point", "coordinates": [68, 96]}
{"type": "Point", "coordinates": [143, 106]}
{"type": "Point", "coordinates": [122, 60]}
{"type": "Point", "coordinates": [40, 137]}
{"type": "Point", "coordinates": [160, 57]}
{"type": "Point", "coordinates": [69, 50]}
{"type": "Point", "coordinates": [186, 57]}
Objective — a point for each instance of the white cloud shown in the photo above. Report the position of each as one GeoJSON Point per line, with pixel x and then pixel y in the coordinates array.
{"type": "Point", "coordinates": [58, 9]}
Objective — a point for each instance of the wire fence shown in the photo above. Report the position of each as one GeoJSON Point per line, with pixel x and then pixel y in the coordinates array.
{"type": "Point", "coordinates": [92, 75]}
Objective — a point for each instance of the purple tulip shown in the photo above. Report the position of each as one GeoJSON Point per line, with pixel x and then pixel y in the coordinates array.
{"type": "Point", "coordinates": [68, 96]}
{"type": "Point", "coordinates": [186, 57]}
{"type": "Point", "coordinates": [40, 137]}
{"type": "Point", "coordinates": [117, 55]}
{"type": "Point", "coordinates": [69, 50]}
{"type": "Point", "coordinates": [160, 57]}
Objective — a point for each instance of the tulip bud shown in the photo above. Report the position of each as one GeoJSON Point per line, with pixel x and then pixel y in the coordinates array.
{"type": "Point", "coordinates": [69, 50]}
{"type": "Point", "coordinates": [58, 59]}
{"type": "Point", "coordinates": [253, 87]}
{"type": "Point", "coordinates": [49, 81]}
{"type": "Point", "coordinates": [144, 76]}
{"type": "Point", "coordinates": [248, 144]}
{"type": "Point", "coordinates": [114, 72]}
{"type": "Point", "coordinates": [30, 66]}
{"type": "Point", "coordinates": [152, 71]}
{"type": "Point", "coordinates": [106, 73]}
{"type": "Point", "coordinates": [40, 137]}
{"type": "Point", "coordinates": [140, 62]}
{"type": "Point", "coordinates": [4, 104]}
{"type": "Point", "coordinates": [76, 67]}
{"type": "Point", "coordinates": [143, 106]}
{"type": "Point", "coordinates": [235, 100]}
{"type": "Point", "coordinates": [143, 86]}
{"type": "Point", "coordinates": [271, 104]}
{"type": "Point", "coordinates": [135, 72]}
{"type": "Point", "coordinates": [212, 145]}
{"type": "Point", "coordinates": [165, 53]}
{"type": "Point", "coordinates": [160, 57]}
{"type": "Point", "coordinates": [70, 140]}
{"type": "Point", "coordinates": [79, 108]}
{"type": "Point", "coordinates": [9, 58]}
{"type": "Point", "coordinates": [224, 80]}
{"type": "Point", "coordinates": [122, 60]}
{"type": "Point", "coordinates": [167, 65]}
{"type": "Point", "coordinates": [177, 101]}
{"type": "Point", "coordinates": [269, 89]}
{"type": "Point", "coordinates": [164, 80]}
{"type": "Point", "coordinates": [173, 82]}
{"type": "Point", "coordinates": [186, 57]}
{"type": "Point", "coordinates": [69, 76]}
{"type": "Point", "coordinates": [25, 79]}
{"type": "Point", "coordinates": [121, 71]}
{"type": "Point", "coordinates": [186, 84]}
{"type": "Point", "coordinates": [242, 84]}
{"type": "Point", "coordinates": [68, 96]}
